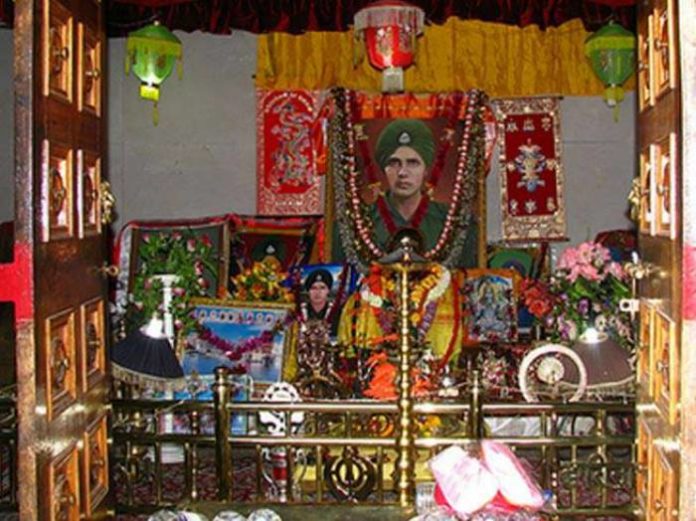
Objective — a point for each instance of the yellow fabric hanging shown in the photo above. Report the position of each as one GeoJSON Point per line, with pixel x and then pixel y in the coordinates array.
{"type": "Point", "coordinates": [461, 54]}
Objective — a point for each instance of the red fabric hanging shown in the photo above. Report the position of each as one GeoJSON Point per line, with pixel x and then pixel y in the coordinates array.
{"type": "Point", "coordinates": [298, 16]}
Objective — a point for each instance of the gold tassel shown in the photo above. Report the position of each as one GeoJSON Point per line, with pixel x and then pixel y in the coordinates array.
{"type": "Point", "coordinates": [155, 114]}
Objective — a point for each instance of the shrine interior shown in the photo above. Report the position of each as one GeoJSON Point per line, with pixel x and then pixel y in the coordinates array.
{"type": "Point", "coordinates": [309, 412]}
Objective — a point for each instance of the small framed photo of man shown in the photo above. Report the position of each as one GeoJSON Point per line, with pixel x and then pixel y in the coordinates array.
{"type": "Point", "coordinates": [323, 290]}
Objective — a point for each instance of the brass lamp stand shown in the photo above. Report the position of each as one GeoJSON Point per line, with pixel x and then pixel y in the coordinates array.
{"type": "Point", "coordinates": [406, 460]}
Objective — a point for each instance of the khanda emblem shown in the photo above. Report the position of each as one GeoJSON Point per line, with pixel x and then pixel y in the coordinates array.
{"type": "Point", "coordinates": [530, 162]}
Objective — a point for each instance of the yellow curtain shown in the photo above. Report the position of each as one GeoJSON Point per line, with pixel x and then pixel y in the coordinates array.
{"type": "Point", "coordinates": [500, 59]}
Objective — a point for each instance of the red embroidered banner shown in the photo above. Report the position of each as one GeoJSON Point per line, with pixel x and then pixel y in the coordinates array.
{"type": "Point", "coordinates": [291, 152]}
{"type": "Point", "coordinates": [531, 173]}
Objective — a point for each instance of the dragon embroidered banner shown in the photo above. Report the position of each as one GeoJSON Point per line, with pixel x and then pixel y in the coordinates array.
{"type": "Point", "coordinates": [531, 172]}
{"type": "Point", "coordinates": [291, 152]}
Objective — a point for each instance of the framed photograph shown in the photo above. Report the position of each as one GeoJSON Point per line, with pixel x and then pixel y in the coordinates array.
{"type": "Point", "coordinates": [249, 337]}
{"type": "Point", "coordinates": [215, 230]}
{"type": "Point", "coordinates": [323, 291]}
{"type": "Point", "coordinates": [491, 305]}
{"type": "Point", "coordinates": [290, 240]}
{"type": "Point", "coordinates": [530, 261]}
{"type": "Point", "coordinates": [404, 171]}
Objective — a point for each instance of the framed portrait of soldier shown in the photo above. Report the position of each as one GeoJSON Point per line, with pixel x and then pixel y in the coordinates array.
{"type": "Point", "coordinates": [417, 163]}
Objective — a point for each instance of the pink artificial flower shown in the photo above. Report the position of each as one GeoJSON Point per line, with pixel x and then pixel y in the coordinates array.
{"type": "Point", "coordinates": [569, 258]}
{"type": "Point", "coordinates": [205, 240]}
{"type": "Point", "coordinates": [178, 292]}
{"type": "Point", "coordinates": [614, 268]}
{"type": "Point", "coordinates": [589, 272]}
{"type": "Point", "coordinates": [191, 245]}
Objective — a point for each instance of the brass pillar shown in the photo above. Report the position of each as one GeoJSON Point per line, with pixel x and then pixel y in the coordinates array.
{"type": "Point", "coordinates": [476, 430]}
{"type": "Point", "coordinates": [405, 463]}
{"type": "Point", "coordinates": [223, 450]}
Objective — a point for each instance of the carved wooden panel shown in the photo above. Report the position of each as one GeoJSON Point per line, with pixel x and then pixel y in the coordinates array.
{"type": "Point", "coordinates": [93, 344]}
{"type": "Point", "coordinates": [57, 188]}
{"type": "Point", "coordinates": [664, 48]}
{"type": "Point", "coordinates": [95, 465]}
{"type": "Point", "coordinates": [59, 354]}
{"type": "Point", "coordinates": [89, 70]}
{"type": "Point", "coordinates": [664, 504]}
{"type": "Point", "coordinates": [64, 486]}
{"type": "Point", "coordinates": [665, 188]}
{"type": "Point", "coordinates": [645, 341]}
{"type": "Point", "coordinates": [645, 91]}
{"type": "Point", "coordinates": [647, 190]}
{"type": "Point", "coordinates": [665, 357]}
{"type": "Point", "coordinates": [643, 453]}
{"type": "Point", "coordinates": [57, 50]}
{"type": "Point", "coordinates": [88, 183]}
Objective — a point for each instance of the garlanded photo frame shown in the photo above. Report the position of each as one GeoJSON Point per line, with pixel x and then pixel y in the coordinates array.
{"type": "Point", "coordinates": [256, 338]}
{"type": "Point", "coordinates": [491, 305]}
{"type": "Point", "coordinates": [214, 229]}
{"type": "Point", "coordinates": [450, 133]}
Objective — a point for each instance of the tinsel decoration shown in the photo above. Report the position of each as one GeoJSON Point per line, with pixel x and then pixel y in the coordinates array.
{"type": "Point", "coordinates": [355, 228]}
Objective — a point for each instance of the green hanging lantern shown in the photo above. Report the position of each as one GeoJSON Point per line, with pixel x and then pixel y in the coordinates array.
{"type": "Point", "coordinates": [151, 52]}
{"type": "Point", "coordinates": [612, 54]}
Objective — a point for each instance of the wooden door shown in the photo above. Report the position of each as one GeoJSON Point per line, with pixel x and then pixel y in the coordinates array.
{"type": "Point", "coordinates": [61, 326]}
{"type": "Point", "coordinates": [666, 398]}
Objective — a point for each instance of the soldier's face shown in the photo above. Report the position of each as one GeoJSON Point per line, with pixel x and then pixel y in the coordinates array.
{"type": "Point", "coordinates": [318, 294]}
{"type": "Point", "coordinates": [405, 171]}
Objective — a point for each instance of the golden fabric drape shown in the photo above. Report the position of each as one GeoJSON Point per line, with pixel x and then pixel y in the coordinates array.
{"type": "Point", "coordinates": [502, 60]}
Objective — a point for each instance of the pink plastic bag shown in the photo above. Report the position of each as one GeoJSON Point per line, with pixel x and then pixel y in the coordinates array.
{"type": "Point", "coordinates": [465, 483]}
{"type": "Point", "coordinates": [514, 483]}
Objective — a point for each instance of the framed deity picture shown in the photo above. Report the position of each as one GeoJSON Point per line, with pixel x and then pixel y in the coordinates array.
{"type": "Point", "coordinates": [254, 338]}
{"type": "Point", "coordinates": [491, 305]}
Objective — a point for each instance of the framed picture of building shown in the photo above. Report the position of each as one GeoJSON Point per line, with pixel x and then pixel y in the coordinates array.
{"type": "Point", "coordinates": [253, 338]}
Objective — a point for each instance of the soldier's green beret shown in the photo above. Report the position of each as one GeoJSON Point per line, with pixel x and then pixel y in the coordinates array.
{"type": "Point", "coordinates": [405, 133]}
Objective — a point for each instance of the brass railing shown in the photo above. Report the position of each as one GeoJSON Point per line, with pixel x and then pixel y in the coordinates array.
{"type": "Point", "coordinates": [168, 453]}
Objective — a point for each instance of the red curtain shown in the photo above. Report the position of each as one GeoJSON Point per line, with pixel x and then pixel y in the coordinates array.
{"type": "Point", "coordinates": [298, 16]}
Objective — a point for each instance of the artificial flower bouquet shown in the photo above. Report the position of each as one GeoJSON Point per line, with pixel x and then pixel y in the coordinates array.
{"type": "Point", "coordinates": [583, 292]}
{"type": "Point", "coordinates": [263, 281]}
{"type": "Point", "coordinates": [190, 258]}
